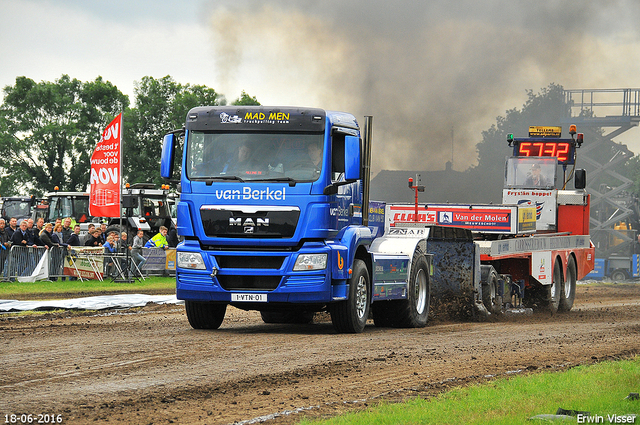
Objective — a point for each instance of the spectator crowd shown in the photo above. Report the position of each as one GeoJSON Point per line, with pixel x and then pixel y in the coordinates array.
{"type": "Point", "coordinates": [64, 236]}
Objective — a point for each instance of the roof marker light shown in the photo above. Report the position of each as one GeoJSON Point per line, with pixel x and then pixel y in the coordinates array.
{"type": "Point", "coordinates": [510, 139]}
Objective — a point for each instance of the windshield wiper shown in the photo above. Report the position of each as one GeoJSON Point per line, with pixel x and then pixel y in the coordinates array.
{"type": "Point", "coordinates": [210, 180]}
{"type": "Point", "coordinates": [292, 181]}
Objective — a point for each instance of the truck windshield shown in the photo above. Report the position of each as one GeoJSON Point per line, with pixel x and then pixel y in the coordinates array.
{"type": "Point", "coordinates": [76, 207]}
{"type": "Point", "coordinates": [154, 206]}
{"type": "Point", "coordinates": [254, 156]}
{"type": "Point", "coordinates": [530, 173]}
{"type": "Point", "coordinates": [60, 208]}
{"type": "Point", "coordinates": [18, 209]}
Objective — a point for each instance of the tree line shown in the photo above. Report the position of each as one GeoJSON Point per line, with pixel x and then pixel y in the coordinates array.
{"type": "Point", "coordinates": [48, 130]}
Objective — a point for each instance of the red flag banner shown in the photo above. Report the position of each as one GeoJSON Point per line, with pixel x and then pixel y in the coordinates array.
{"type": "Point", "coordinates": [105, 172]}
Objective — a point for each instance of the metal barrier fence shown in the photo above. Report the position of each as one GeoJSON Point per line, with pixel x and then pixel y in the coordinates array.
{"type": "Point", "coordinates": [22, 261]}
{"type": "Point", "coordinates": [30, 264]}
{"type": "Point", "coordinates": [56, 261]}
{"type": "Point", "coordinates": [4, 255]}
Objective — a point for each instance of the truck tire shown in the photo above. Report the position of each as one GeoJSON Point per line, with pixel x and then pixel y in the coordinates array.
{"type": "Point", "coordinates": [568, 293]}
{"type": "Point", "coordinates": [551, 293]}
{"type": "Point", "coordinates": [204, 315]}
{"type": "Point", "coordinates": [298, 317]}
{"type": "Point", "coordinates": [382, 313]}
{"type": "Point", "coordinates": [490, 297]}
{"type": "Point", "coordinates": [350, 316]}
{"type": "Point", "coordinates": [619, 275]}
{"type": "Point", "coordinates": [414, 311]}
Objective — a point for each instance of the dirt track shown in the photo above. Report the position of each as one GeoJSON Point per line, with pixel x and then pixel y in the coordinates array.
{"type": "Point", "coordinates": [148, 366]}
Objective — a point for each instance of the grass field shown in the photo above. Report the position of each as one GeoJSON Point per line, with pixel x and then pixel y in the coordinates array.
{"type": "Point", "coordinates": [52, 290]}
{"type": "Point", "coordinates": [598, 389]}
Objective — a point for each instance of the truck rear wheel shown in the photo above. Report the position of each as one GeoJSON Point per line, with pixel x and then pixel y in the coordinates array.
{"type": "Point", "coordinates": [551, 293]}
{"type": "Point", "coordinates": [490, 297]}
{"type": "Point", "coordinates": [568, 293]}
{"type": "Point", "coordinates": [414, 311]}
{"type": "Point", "coordinates": [350, 316]}
{"type": "Point", "coordinates": [619, 275]}
{"type": "Point", "coordinates": [204, 315]}
{"type": "Point", "coordinates": [382, 313]}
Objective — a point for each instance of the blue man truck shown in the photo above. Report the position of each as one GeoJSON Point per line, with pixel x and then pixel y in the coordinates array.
{"type": "Point", "coordinates": [275, 214]}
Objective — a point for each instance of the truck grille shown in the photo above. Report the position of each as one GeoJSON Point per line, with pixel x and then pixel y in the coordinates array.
{"type": "Point", "coordinates": [250, 222]}
{"type": "Point", "coordinates": [249, 262]}
{"type": "Point", "coordinates": [248, 283]}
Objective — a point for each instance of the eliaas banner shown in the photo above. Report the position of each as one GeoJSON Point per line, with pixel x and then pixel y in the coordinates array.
{"type": "Point", "coordinates": [105, 172]}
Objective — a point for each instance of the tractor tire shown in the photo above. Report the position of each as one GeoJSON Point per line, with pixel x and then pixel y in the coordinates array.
{"type": "Point", "coordinates": [125, 228]}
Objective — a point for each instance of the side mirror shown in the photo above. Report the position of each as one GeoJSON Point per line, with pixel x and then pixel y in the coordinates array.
{"type": "Point", "coordinates": [352, 158]}
{"type": "Point", "coordinates": [580, 181]}
{"type": "Point", "coordinates": [168, 153]}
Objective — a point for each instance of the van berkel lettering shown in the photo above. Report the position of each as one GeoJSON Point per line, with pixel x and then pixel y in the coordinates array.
{"type": "Point", "coordinates": [247, 193]}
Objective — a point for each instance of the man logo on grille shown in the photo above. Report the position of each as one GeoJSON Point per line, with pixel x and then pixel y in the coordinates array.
{"type": "Point", "coordinates": [248, 222]}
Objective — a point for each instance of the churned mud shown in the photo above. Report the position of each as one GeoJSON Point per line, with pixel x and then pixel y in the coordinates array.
{"type": "Point", "coordinates": [147, 365]}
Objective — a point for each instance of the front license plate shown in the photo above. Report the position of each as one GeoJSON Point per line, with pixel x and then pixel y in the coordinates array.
{"type": "Point", "coordinates": [252, 298]}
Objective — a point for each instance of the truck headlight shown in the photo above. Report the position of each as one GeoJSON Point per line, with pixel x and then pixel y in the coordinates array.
{"type": "Point", "coordinates": [191, 260]}
{"type": "Point", "coordinates": [310, 262]}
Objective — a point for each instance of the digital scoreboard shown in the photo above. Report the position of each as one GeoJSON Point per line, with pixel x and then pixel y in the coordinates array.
{"type": "Point", "coordinates": [564, 150]}
{"type": "Point", "coordinates": [545, 142]}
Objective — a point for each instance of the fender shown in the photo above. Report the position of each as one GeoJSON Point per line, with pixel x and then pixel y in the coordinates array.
{"type": "Point", "coordinates": [185, 223]}
{"type": "Point", "coordinates": [344, 249]}
{"type": "Point", "coordinates": [402, 242]}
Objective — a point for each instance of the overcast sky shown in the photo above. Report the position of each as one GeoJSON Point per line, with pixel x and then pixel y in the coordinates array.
{"type": "Point", "coordinates": [422, 68]}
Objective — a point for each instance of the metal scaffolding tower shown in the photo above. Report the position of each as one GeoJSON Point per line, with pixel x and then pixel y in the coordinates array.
{"type": "Point", "coordinates": [595, 111]}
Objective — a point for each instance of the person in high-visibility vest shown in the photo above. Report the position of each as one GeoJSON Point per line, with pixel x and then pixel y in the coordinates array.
{"type": "Point", "coordinates": [159, 240]}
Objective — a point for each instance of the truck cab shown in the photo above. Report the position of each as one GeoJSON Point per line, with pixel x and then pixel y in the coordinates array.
{"type": "Point", "coordinates": [270, 209]}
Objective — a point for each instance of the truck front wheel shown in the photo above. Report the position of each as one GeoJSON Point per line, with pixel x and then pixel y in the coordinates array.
{"type": "Point", "coordinates": [351, 315]}
{"type": "Point", "coordinates": [204, 315]}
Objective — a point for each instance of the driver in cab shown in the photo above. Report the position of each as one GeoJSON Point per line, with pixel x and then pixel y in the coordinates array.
{"type": "Point", "coordinates": [536, 179]}
{"type": "Point", "coordinates": [242, 162]}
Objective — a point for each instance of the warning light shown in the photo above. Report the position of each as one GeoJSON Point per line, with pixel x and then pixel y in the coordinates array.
{"type": "Point", "coordinates": [411, 182]}
{"type": "Point", "coordinates": [572, 129]}
{"type": "Point", "coordinates": [580, 139]}
{"type": "Point", "coordinates": [510, 139]}
{"type": "Point", "coordinates": [127, 185]}
{"type": "Point", "coordinates": [56, 188]}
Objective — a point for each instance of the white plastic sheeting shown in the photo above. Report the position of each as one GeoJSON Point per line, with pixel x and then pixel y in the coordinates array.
{"type": "Point", "coordinates": [89, 303]}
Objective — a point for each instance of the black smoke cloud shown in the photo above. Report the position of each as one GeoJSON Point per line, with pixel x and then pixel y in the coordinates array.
{"type": "Point", "coordinates": [430, 72]}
